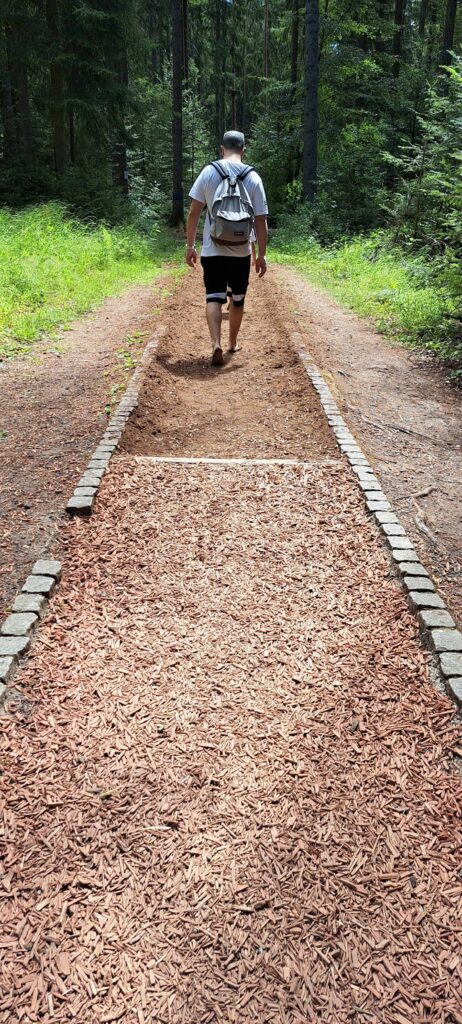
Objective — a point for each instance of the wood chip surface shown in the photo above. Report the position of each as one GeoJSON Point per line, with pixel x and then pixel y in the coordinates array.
{"type": "Point", "coordinates": [228, 792]}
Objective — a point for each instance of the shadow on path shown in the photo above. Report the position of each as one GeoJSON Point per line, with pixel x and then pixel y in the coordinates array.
{"type": "Point", "coordinates": [198, 367]}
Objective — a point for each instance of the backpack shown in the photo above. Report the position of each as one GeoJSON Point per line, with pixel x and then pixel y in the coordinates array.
{"type": "Point", "coordinates": [231, 217]}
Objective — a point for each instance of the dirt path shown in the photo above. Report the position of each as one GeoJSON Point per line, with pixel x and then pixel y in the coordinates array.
{"type": "Point", "coordinates": [228, 790]}
{"type": "Point", "coordinates": [250, 407]}
{"type": "Point", "coordinates": [405, 417]}
{"type": "Point", "coordinates": [51, 416]}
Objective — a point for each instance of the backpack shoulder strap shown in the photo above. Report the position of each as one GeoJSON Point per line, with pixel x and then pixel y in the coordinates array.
{"type": "Point", "coordinates": [244, 173]}
{"type": "Point", "coordinates": [218, 167]}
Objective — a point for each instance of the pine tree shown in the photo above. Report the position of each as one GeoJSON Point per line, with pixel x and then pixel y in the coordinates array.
{"type": "Point", "coordinates": [57, 85]}
{"type": "Point", "coordinates": [310, 109]}
{"type": "Point", "coordinates": [177, 215]}
{"type": "Point", "coordinates": [448, 35]}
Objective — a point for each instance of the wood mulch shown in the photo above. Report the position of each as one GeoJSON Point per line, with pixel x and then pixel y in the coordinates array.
{"type": "Point", "coordinates": [228, 791]}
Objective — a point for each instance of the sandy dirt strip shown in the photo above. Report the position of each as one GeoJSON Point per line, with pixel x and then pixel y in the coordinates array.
{"type": "Point", "coordinates": [230, 795]}
{"type": "Point", "coordinates": [258, 406]}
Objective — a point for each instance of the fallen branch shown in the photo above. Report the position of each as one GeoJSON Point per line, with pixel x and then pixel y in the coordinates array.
{"type": "Point", "coordinates": [416, 494]}
{"type": "Point", "coordinates": [405, 430]}
{"type": "Point", "coordinates": [426, 530]}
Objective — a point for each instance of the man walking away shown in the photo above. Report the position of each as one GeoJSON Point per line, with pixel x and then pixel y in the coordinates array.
{"type": "Point", "coordinates": [236, 205]}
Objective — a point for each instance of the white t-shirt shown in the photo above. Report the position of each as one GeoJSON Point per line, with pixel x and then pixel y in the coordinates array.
{"type": "Point", "coordinates": [204, 189]}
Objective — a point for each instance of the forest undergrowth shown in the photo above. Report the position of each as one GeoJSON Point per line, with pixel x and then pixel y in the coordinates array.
{"type": "Point", "coordinates": [54, 268]}
{"type": "Point", "coordinates": [403, 293]}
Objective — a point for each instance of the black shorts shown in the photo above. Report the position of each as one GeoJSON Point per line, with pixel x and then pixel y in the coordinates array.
{"type": "Point", "coordinates": [221, 271]}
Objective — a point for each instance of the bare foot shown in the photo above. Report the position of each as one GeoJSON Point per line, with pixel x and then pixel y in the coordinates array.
{"type": "Point", "coordinates": [217, 358]}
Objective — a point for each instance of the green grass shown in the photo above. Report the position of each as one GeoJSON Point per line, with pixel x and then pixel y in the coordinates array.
{"type": "Point", "coordinates": [400, 293]}
{"type": "Point", "coordinates": [54, 268]}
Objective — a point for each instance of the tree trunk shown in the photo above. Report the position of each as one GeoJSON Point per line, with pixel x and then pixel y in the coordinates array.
{"type": "Point", "coordinates": [17, 91]}
{"type": "Point", "coordinates": [323, 29]}
{"type": "Point", "coordinates": [244, 97]}
{"type": "Point", "coordinates": [266, 42]}
{"type": "Point", "coordinates": [120, 167]}
{"type": "Point", "coordinates": [154, 40]}
{"type": "Point", "coordinates": [57, 84]}
{"type": "Point", "coordinates": [430, 60]}
{"type": "Point", "coordinates": [217, 38]}
{"type": "Point", "coordinates": [236, 71]}
{"type": "Point", "coordinates": [423, 18]}
{"type": "Point", "coordinates": [310, 106]}
{"type": "Point", "coordinates": [448, 37]}
{"type": "Point", "coordinates": [119, 153]}
{"type": "Point", "coordinates": [422, 24]}
{"type": "Point", "coordinates": [400, 10]}
{"type": "Point", "coordinates": [24, 110]}
{"type": "Point", "coordinates": [294, 44]}
{"type": "Point", "coordinates": [9, 128]}
{"type": "Point", "coordinates": [10, 147]}
{"type": "Point", "coordinates": [382, 14]}
{"type": "Point", "coordinates": [220, 69]}
{"type": "Point", "coordinates": [72, 146]}
{"type": "Point", "coordinates": [177, 216]}
{"type": "Point", "coordinates": [185, 40]}
{"type": "Point", "coordinates": [233, 108]}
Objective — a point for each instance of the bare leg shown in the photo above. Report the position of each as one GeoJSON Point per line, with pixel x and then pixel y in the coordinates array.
{"type": "Point", "coordinates": [214, 314]}
{"type": "Point", "coordinates": [235, 319]}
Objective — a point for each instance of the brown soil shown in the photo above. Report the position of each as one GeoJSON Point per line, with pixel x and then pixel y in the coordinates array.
{"type": "Point", "coordinates": [52, 415]}
{"type": "Point", "coordinates": [228, 793]}
{"type": "Point", "coordinates": [404, 415]}
{"type": "Point", "coordinates": [257, 405]}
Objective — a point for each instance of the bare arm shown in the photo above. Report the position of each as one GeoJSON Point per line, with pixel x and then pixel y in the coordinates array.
{"type": "Point", "coordinates": [261, 231]}
{"type": "Point", "coordinates": [195, 211]}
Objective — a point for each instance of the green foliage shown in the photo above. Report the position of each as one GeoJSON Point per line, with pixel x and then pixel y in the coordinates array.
{"type": "Point", "coordinates": [427, 207]}
{"type": "Point", "coordinates": [390, 154]}
{"type": "Point", "coordinates": [349, 197]}
{"type": "Point", "coordinates": [150, 160]}
{"type": "Point", "coordinates": [274, 147]}
{"type": "Point", "coordinates": [53, 267]}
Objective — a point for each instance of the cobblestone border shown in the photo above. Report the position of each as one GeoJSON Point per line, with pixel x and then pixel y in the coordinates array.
{"type": "Point", "coordinates": [29, 607]}
{"type": "Point", "coordinates": [31, 603]}
{"type": "Point", "coordinates": [441, 631]}
{"type": "Point", "coordinates": [82, 501]}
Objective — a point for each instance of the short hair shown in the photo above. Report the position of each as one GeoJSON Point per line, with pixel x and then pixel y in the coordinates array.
{"type": "Point", "coordinates": [235, 141]}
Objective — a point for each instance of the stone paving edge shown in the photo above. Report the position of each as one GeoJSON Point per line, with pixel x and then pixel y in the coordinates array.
{"type": "Point", "coordinates": [31, 602]}
{"type": "Point", "coordinates": [436, 624]}
{"type": "Point", "coordinates": [82, 500]}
